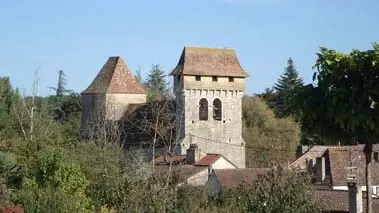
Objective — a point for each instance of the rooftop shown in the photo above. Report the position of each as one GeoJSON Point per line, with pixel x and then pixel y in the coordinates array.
{"type": "Point", "coordinates": [232, 178]}
{"type": "Point", "coordinates": [114, 77]}
{"type": "Point", "coordinates": [209, 62]}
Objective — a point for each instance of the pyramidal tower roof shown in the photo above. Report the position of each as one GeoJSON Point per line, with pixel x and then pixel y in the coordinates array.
{"type": "Point", "coordinates": [209, 61]}
{"type": "Point", "coordinates": [114, 77]}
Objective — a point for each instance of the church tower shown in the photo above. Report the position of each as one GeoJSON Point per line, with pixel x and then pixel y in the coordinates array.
{"type": "Point", "coordinates": [109, 94]}
{"type": "Point", "coordinates": [209, 86]}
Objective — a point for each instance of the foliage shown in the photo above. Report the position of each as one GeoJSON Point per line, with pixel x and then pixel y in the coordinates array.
{"type": "Point", "coordinates": [156, 84]}
{"type": "Point", "coordinates": [278, 191]}
{"type": "Point", "coordinates": [57, 186]}
{"type": "Point", "coordinates": [268, 138]}
{"type": "Point", "coordinates": [285, 91]}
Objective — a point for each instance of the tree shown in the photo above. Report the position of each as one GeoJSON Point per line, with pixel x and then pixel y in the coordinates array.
{"type": "Point", "coordinates": [156, 84]}
{"type": "Point", "coordinates": [286, 89]}
{"type": "Point", "coordinates": [61, 90]}
{"type": "Point", "coordinates": [347, 85]}
{"type": "Point", "coordinates": [268, 138]}
{"type": "Point", "coordinates": [277, 191]}
{"type": "Point", "coordinates": [138, 76]}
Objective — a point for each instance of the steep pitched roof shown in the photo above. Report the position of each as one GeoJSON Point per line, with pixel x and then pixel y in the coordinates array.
{"type": "Point", "coordinates": [209, 62]}
{"type": "Point", "coordinates": [114, 77]}
{"type": "Point", "coordinates": [231, 178]}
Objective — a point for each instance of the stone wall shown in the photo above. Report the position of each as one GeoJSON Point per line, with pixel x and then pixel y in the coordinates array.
{"type": "Point", "coordinates": [117, 104]}
{"type": "Point", "coordinates": [212, 136]}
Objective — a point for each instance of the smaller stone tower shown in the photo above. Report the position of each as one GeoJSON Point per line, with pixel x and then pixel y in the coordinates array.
{"type": "Point", "coordinates": [109, 94]}
{"type": "Point", "coordinates": [209, 86]}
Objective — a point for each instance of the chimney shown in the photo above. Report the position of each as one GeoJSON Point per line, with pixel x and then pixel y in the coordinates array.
{"type": "Point", "coordinates": [355, 197]}
{"type": "Point", "coordinates": [320, 169]}
{"type": "Point", "coordinates": [193, 154]}
{"type": "Point", "coordinates": [301, 150]}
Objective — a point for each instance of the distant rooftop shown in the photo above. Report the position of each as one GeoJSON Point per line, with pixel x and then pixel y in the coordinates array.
{"type": "Point", "coordinates": [114, 77]}
{"type": "Point", "coordinates": [209, 62]}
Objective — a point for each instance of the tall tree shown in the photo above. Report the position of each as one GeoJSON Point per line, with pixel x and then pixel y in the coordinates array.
{"type": "Point", "coordinates": [347, 93]}
{"type": "Point", "coordinates": [156, 84]}
{"type": "Point", "coordinates": [138, 76]}
{"type": "Point", "coordinates": [60, 100]}
{"type": "Point", "coordinates": [61, 90]}
{"type": "Point", "coordinates": [286, 88]}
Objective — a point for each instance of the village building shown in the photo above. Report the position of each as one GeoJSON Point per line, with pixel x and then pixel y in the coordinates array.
{"type": "Point", "coordinates": [233, 178]}
{"type": "Point", "coordinates": [193, 168]}
{"type": "Point", "coordinates": [209, 86]}
{"type": "Point", "coordinates": [108, 96]}
{"type": "Point", "coordinates": [331, 165]}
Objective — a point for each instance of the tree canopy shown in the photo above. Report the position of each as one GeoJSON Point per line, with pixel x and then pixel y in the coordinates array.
{"type": "Point", "coordinates": [286, 88]}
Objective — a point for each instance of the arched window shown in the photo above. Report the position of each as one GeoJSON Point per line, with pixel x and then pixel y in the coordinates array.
{"type": "Point", "coordinates": [217, 109]}
{"type": "Point", "coordinates": [203, 109]}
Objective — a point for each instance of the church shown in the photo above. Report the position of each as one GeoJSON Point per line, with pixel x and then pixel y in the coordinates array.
{"type": "Point", "coordinates": [208, 88]}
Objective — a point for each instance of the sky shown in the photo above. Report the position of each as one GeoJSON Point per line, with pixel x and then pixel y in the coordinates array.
{"type": "Point", "coordinates": [79, 36]}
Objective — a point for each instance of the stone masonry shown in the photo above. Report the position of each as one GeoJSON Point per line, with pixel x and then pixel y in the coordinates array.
{"type": "Point", "coordinates": [208, 73]}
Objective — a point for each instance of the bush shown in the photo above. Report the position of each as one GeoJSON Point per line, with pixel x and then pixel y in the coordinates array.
{"type": "Point", "coordinates": [268, 138]}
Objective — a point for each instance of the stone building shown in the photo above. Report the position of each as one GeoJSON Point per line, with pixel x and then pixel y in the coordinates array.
{"type": "Point", "coordinates": [209, 86]}
{"type": "Point", "coordinates": [109, 94]}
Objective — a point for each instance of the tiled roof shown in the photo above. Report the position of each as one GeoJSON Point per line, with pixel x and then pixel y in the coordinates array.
{"type": "Point", "coordinates": [342, 157]}
{"type": "Point", "coordinates": [337, 159]}
{"type": "Point", "coordinates": [114, 77]}
{"type": "Point", "coordinates": [209, 62]}
{"type": "Point", "coordinates": [208, 159]}
{"type": "Point", "coordinates": [337, 201]}
{"type": "Point", "coordinates": [301, 162]}
{"type": "Point", "coordinates": [231, 178]}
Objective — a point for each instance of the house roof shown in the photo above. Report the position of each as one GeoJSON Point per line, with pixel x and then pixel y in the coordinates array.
{"type": "Point", "coordinates": [232, 178]}
{"type": "Point", "coordinates": [209, 62]}
{"type": "Point", "coordinates": [342, 157]}
{"type": "Point", "coordinates": [337, 201]}
{"type": "Point", "coordinates": [312, 153]}
{"type": "Point", "coordinates": [338, 158]}
{"type": "Point", "coordinates": [208, 159]}
{"type": "Point", "coordinates": [114, 77]}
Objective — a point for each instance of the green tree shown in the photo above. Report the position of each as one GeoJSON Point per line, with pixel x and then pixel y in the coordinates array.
{"type": "Point", "coordinates": [156, 84]}
{"type": "Point", "coordinates": [56, 186]}
{"type": "Point", "coordinates": [286, 88]}
{"type": "Point", "coordinates": [347, 85]}
{"type": "Point", "coordinates": [61, 90]}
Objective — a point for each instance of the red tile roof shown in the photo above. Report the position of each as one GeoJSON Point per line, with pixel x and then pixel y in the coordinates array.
{"type": "Point", "coordinates": [209, 159]}
{"type": "Point", "coordinates": [231, 178]}
{"type": "Point", "coordinates": [209, 62]}
{"type": "Point", "coordinates": [114, 77]}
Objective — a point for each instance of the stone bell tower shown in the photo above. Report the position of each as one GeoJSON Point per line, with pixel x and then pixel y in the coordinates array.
{"type": "Point", "coordinates": [209, 86]}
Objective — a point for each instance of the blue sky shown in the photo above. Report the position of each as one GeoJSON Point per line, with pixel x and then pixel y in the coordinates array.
{"type": "Point", "coordinates": [78, 36]}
